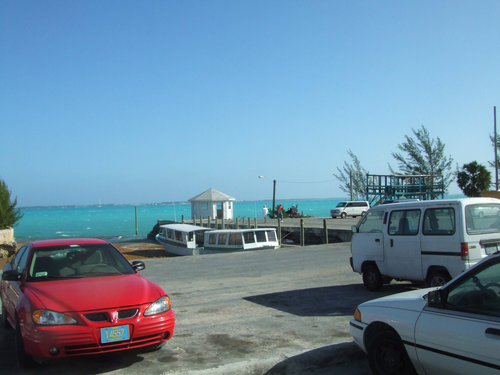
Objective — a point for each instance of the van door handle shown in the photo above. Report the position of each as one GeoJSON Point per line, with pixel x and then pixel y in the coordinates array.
{"type": "Point", "coordinates": [392, 242]}
{"type": "Point", "coordinates": [377, 239]}
{"type": "Point", "coordinates": [493, 331]}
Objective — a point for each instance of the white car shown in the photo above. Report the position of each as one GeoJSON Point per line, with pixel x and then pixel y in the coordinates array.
{"type": "Point", "coordinates": [451, 330]}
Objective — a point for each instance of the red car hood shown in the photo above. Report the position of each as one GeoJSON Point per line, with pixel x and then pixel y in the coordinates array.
{"type": "Point", "coordinates": [93, 293]}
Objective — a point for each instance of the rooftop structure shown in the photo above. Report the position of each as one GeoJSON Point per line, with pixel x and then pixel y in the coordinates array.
{"type": "Point", "coordinates": [212, 204]}
{"type": "Point", "coordinates": [380, 188]}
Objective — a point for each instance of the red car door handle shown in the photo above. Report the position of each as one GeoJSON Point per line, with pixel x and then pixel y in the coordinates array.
{"type": "Point", "coordinates": [493, 331]}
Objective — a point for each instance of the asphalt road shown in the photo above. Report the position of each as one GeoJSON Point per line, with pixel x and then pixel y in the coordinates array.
{"type": "Point", "coordinates": [268, 312]}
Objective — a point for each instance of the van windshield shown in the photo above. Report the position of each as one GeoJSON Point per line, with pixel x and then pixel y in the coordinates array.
{"type": "Point", "coordinates": [482, 218]}
{"type": "Point", "coordinates": [341, 204]}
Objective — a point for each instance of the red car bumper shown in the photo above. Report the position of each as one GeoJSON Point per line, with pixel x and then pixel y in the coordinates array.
{"type": "Point", "coordinates": [85, 339]}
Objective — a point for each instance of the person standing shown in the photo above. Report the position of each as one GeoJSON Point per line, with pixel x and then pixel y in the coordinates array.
{"type": "Point", "coordinates": [280, 212]}
{"type": "Point", "coordinates": [265, 211]}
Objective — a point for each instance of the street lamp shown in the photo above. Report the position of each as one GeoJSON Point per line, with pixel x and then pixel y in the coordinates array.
{"type": "Point", "coordinates": [274, 193]}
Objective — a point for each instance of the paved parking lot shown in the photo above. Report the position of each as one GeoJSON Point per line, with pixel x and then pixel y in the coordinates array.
{"type": "Point", "coordinates": [270, 312]}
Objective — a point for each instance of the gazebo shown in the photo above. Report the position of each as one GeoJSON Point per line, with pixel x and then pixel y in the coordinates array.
{"type": "Point", "coordinates": [212, 204]}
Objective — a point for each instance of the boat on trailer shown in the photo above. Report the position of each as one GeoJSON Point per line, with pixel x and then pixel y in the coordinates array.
{"type": "Point", "coordinates": [187, 239]}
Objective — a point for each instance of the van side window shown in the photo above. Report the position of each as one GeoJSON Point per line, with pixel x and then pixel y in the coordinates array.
{"type": "Point", "coordinates": [372, 222]}
{"type": "Point", "coordinates": [359, 204]}
{"type": "Point", "coordinates": [404, 222]}
{"type": "Point", "coordinates": [439, 222]}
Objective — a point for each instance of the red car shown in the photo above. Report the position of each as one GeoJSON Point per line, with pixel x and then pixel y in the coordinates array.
{"type": "Point", "coordinates": [78, 297]}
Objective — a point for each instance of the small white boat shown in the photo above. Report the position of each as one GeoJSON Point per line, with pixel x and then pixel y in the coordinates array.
{"type": "Point", "coordinates": [225, 240]}
{"type": "Point", "coordinates": [186, 239]}
{"type": "Point", "coordinates": [181, 239]}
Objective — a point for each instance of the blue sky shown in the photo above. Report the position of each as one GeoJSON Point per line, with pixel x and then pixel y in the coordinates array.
{"type": "Point", "coordinates": [153, 101]}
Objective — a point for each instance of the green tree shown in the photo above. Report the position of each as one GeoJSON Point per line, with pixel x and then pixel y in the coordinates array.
{"type": "Point", "coordinates": [421, 155]}
{"type": "Point", "coordinates": [352, 173]}
{"type": "Point", "coordinates": [9, 214]}
{"type": "Point", "coordinates": [473, 179]}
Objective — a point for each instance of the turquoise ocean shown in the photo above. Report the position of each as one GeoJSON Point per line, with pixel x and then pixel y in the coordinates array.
{"type": "Point", "coordinates": [120, 220]}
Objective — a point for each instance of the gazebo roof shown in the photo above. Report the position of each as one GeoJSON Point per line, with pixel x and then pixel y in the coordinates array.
{"type": "Point", "coordinates": [212, 195]}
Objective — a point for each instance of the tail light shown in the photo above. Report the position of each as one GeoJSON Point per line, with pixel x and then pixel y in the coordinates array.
{"type": "Point", "coordinates": [464, 250]}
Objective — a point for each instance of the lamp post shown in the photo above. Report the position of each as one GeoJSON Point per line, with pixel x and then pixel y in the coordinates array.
{"type": "Point", "coordinates": [274, 193]}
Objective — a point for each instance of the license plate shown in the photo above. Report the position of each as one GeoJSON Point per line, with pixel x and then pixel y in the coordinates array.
{"type": "Point", "coordinates": [490, 250]}
{"type": "Point", "coordinates": [112, 334]}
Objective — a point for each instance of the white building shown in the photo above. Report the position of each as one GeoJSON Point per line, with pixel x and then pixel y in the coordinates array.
{"type": "Point", "coordinates": [213, 204]}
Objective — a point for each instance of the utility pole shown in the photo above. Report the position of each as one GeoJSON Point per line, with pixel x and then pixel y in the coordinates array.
{"type": "Point", "coordinates": [274, 194]}
{"type": "Point", "coordinates": [350, 185]}
{"type": "Point", "coordinates": [496, 146]}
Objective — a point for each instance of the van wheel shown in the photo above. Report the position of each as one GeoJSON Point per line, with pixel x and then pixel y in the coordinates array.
{"type": "Point", "coordinates": [372, 279]}
{"type": "Point", "coordinates": [343, 215]}
{"type": "Point", "coordinates": [437, 278]}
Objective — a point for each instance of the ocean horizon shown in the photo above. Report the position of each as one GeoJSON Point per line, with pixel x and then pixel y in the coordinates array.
{"type": "Point", "coordinates": [119, 220]}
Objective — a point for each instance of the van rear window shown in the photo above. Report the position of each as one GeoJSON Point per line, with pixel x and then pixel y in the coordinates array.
{"type": "Point", "coordinates": [482, 218]}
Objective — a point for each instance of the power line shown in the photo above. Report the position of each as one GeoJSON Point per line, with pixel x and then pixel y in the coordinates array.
{"type": "Point", "coordinates": [305, 182]}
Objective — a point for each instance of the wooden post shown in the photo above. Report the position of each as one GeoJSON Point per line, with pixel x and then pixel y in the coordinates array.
{"type": "Point", "coordinates": [279, 231]}
{"type": "Point", "coordinates": [136, 226]}
{"type": "Point", "coordinates": [302, 236]}
{"type": "Point", "coordinates": [255, 222]}
{"type": "Point", "coordinates": [216, 223]}
{"type": "Point", "coordinates": [209, 222]}
{"type": "Point", "coordinates": [237, 223]}
{"type": "Point", "coordinates": [182, 219]}
{"type": "Point", "coordinates": [325, 229]}
{"type": "Point", "coordinates": [249, 226]}
{"type": "Point", "coordinates": [223, 224]}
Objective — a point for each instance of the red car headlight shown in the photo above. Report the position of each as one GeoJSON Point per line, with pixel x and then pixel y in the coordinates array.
{"type": "Point", "coordinates": [159, 306]}
{"type": "Point", "coordinates": [51, 318]}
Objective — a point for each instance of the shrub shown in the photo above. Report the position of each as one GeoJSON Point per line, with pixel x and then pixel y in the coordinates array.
{"type": "Point", "coordinates": [9, 214]}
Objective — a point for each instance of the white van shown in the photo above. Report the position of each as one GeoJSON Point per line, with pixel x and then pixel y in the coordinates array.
{"type": "Point", "coordinates": [350, 208]}
{"type": "Point", "coordinates": [427, 241]}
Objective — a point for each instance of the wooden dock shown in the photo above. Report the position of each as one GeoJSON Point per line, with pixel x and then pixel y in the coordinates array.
{"type": "Point", "coordinates": [296, 231]}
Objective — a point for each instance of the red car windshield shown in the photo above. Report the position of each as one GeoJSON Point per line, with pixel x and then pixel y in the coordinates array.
{"type": "Point", "coordinates": [76, 261]}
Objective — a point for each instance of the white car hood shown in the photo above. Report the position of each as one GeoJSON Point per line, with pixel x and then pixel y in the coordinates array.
{"type": "Point", "coordinates": [412, 300]}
